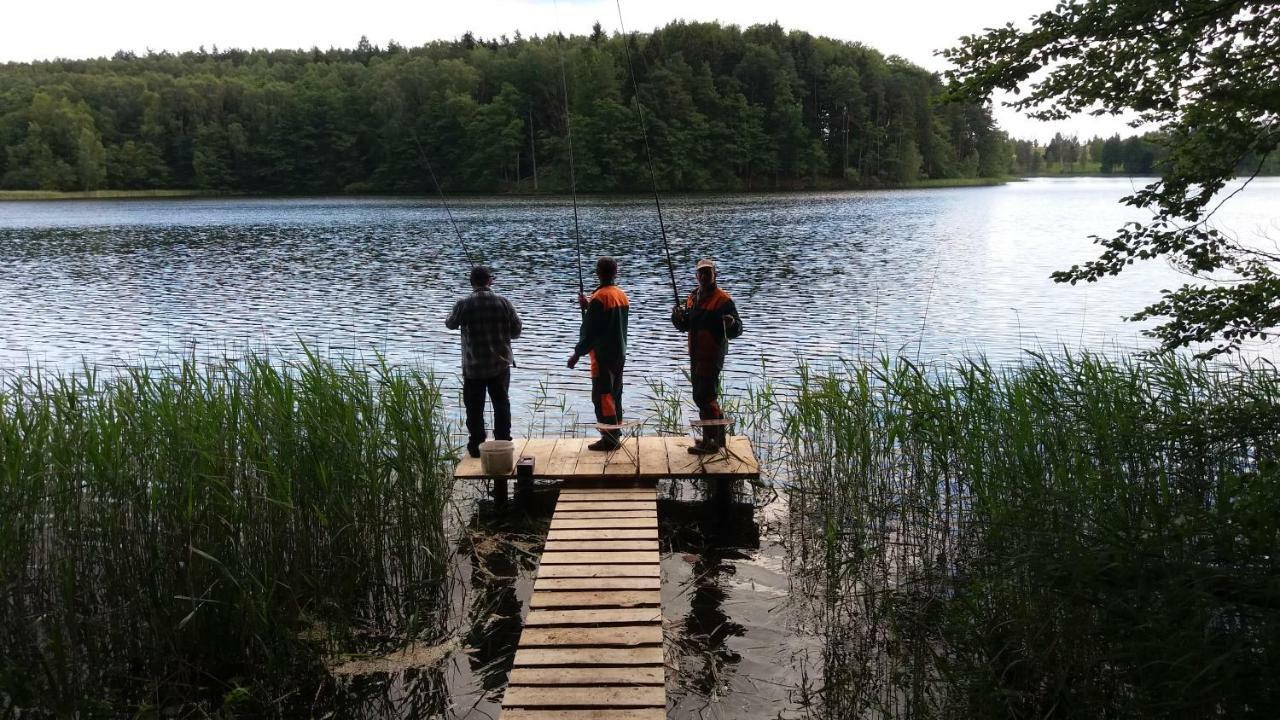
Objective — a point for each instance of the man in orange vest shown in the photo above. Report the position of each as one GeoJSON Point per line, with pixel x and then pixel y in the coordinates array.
{"type": "Point", "coordinates": [604, 337]}
{"type": "Point", "coordinates": [711, 319]}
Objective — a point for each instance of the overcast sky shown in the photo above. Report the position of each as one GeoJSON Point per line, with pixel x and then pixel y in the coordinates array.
{"type": "Point", "coordinates": [913, 29]}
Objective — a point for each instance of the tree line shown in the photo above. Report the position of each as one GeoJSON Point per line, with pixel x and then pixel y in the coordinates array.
{"type": "Point", "coordinates": [1134, 155]}
{"type": "Point", "coordinates": [725, 108]}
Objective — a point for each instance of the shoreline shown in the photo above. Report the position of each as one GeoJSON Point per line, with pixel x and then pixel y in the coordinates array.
{"type": "Point", "coordinates": [41, 195]}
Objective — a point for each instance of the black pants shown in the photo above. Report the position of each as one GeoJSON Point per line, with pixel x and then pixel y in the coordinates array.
{"type": "Point", "coordinates": [706, 396]}
{"type": "Point", "coordinates": [606, 396]}
{"type": "Point", "coordinates": [473, 392]}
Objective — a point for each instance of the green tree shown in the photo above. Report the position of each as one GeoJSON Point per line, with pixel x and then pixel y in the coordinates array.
{"type": "Point", "coordinates": [1112, 153]}
{"type": "Point", "coordinates": [1205, 72]}
{"type": "Point", "coordinates": [136, 165]}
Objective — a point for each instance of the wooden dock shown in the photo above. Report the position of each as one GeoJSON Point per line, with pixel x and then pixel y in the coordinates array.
{"type": "Point", "coordinates": [591, 648]}
{"type": "Point", "coordinates": [644, 458]}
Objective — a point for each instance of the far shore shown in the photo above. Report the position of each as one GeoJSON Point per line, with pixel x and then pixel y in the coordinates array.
{"type": "Point", "coordinates": [27, 195]}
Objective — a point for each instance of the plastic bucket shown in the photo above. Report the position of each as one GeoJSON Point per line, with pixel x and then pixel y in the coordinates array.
{"type": "Point", "coordinates": [498, 457]}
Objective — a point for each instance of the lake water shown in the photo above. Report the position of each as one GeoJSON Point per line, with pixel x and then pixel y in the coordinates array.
{"type": "Point", "coordinates": [818, 276]}
{"type": "Point", "coordinates": [934, 274]}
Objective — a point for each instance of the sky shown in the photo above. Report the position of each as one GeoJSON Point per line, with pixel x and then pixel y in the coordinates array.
{"type": "Point", "coordinates": [913, 29]}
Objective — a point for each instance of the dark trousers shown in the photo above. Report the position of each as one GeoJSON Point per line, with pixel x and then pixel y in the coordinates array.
{"type": "Point", "coordinates": [473, 392]}
{"type": "Point", "coordinates": [706, 397]}
{"type": "Point", "coordinates": [606, 396]}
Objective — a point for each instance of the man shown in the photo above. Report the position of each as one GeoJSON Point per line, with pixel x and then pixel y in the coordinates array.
{"type": "Point", "coordinates": [489, 323]}
{"type": "Point", "coordinates": [711, 319]}
{"type": "Point", "coordinates": [604, 337]}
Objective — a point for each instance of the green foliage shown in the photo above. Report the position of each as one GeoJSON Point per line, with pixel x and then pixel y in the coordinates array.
{"type": "Point", "coordinates": [170, 529]}
{"type": "Point", "coordinates": [1071, 537]}
{"type": "Point", "coordinates": [1205, 72]}
{"type": "Point", "coordinates": [727, 108]}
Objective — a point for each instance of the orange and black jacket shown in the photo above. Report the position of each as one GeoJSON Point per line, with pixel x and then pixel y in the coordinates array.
{"type": "Point", "coordinates": [703, 318]}
{"type": "Point", "coordinates": [604, 327]}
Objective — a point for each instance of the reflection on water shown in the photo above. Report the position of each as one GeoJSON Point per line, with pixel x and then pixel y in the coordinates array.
{"type": "Point", "coordinates": [734, 642]}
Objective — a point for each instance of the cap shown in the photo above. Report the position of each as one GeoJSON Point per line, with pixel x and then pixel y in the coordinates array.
{"type": "Point", "coordinates": [707, 263]}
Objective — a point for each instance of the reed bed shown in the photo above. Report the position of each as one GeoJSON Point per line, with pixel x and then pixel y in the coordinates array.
{"type": "Point", "coordinates": [1073, 537]}
{"type": "Point", "coordinates": [197, 536]}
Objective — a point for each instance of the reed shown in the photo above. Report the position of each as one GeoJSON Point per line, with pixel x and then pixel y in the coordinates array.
{"type": "Point", "coordinates": [181, 535]}
{"type": "Point", "coordinates": [1070, 537]}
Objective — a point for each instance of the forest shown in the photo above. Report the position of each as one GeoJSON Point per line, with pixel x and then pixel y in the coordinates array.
{"type": "Point", "coordinates": [725, 109]}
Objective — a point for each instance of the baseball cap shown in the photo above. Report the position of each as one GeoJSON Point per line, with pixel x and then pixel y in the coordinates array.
{"type": "Point", "coordinates": [707, 263]}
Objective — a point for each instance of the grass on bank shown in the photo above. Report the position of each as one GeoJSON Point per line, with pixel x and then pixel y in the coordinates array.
{"type": "Point", "coordinates": [175, 536]}
{"type": "Point", "coordinates": [1070, 538]}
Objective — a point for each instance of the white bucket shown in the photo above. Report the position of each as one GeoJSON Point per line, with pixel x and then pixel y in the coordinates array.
{"type": "Point", "coordinates": [498, 457]}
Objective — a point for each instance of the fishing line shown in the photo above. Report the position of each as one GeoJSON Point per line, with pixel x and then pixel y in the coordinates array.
{"type": "Point", "coordinates": [573, 181]}
{"type": "Point", "coordinates": [423, 154]}
{"type": "Point", "coordinates": [644, 133]}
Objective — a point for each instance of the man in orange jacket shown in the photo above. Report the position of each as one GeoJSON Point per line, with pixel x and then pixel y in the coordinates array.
{"type": "Point", "coordinates": [604, 337]}
{"type": "Point", "coordinates": [711, 319]}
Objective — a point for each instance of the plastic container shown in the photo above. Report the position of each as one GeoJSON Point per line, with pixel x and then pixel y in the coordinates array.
{"type": "Point", "coordinates": [498, 457]}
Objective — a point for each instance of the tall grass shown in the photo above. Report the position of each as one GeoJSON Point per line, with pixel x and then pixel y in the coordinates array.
{"type": "Point", "coordinates": [172, 536]}
{"type": "Point", "coordinates": [1072, 537]}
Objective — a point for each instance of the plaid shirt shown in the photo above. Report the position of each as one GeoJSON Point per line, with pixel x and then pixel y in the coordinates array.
{"type": "Point", "coordinates": [489, 323]}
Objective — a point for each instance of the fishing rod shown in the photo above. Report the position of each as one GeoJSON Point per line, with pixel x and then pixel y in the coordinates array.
{"type": "Point", "coordinates": [644, 133]}
{"type": "Point", "coordinates": [573, 181]}
{"type": "Point", "coordinates": [423, 154]}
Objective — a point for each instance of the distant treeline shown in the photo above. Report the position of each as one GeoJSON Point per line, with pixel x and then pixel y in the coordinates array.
{"type": "Point", "coordinates": [726, 108]}
{"type": "Point", "coordinates": [1134, 155]}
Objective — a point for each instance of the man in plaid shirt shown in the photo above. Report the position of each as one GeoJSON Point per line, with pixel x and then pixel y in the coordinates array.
{"type": "Point", "coordinates": [489, 323]}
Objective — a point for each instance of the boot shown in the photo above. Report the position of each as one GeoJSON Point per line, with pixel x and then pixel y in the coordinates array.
{"type": "Point", "coordinates": [703, 447]}
{"type": "Point", "coordinates": [604, 444]}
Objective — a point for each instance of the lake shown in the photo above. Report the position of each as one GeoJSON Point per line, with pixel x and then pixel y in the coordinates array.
{"type": "Point", "coordinates": [817, 276]}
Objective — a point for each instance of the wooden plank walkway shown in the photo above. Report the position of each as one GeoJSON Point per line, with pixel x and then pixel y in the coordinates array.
{"type": "Point", "coordinates": [644, 458]}
{"type": "Point", "coordinates": [591, 648]}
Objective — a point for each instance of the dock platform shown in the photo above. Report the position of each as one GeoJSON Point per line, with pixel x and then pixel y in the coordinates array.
{"type": "Point", "coordinates": [591, 648]}
{"type": "Point", "coordinates": [643, 458]}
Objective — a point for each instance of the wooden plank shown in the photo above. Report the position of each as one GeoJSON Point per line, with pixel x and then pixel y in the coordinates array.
{"type": "Point", "coordinates": [608, 485]}
{"type": "Point", "coordinates": [597, 570]}
{"type": "Point", "coordinates": [540, 449]}
{"type": "Point", "coordinates": [606, 505]}
{"type": "Point", "coordinates": [603, 495]}
{"type": "Point", "coordinates": [604, 533]}
{"type": "Point", "coordinates": [679, 461]}
{"type": "Point", "coordinates": [635, 675]}
{"type": "Point", "coordinates": [590, 463]}
{"type": "Point", "coordinates": [597, 616]}
{"type": "Point", "coordinates": [564, 457]}
{"type": "Point", "coordinates": [598, 583]}
{"type": "Point", "coordinates": [601, 598]}
{"type": "Point", "coordinates": [652, 512]}
{"type": "Point", "coordinates": [653, 457]}
{"type": "Point", "coordinates": [651, 521]}
{"type": "Point", "coordinates": [562, 545]}
{"type": "Point", "coordinates": [570, 696]}
{"type": "Point", "coordinates": [627, 635]}
{"type": "Point", "coordinates": [587, 714]}
{"type": "Point", "coordinates": [568, 458]}
{"type": "Point", "coordinates": [541, 657]}
{"type": "Point", "coordinates": [611, 557]}
{"type": "Point", "coordinates": [738, 460]}
{"type": "Point", "coordinates": [624, 461]}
